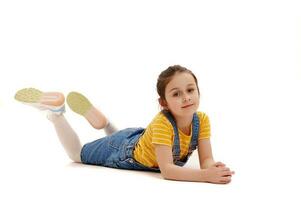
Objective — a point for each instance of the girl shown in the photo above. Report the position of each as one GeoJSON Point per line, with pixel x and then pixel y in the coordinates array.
{"type": "Point", "coordinates": [164, 146]}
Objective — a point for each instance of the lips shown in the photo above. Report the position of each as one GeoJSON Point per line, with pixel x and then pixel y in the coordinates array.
{"type": "Point", "coordinates": [187, 106]}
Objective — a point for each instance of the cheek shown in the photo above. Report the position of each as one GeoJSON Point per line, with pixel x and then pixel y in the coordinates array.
{"type": "Point", "coordinates": [174, 102]}
{"type": "Point", "coordinates": [196, 96]}
{"type": "Point", "coordinates": [196, 99]}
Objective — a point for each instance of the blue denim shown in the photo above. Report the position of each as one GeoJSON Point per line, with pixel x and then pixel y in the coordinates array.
{"type": "Point", "coordinates": [116, 150]}
{"type": "Point", "coordinates": [176, 146]}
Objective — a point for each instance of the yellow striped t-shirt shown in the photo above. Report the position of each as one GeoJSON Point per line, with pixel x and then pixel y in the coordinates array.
{"type": "Point", "coordinates": [160, 131]}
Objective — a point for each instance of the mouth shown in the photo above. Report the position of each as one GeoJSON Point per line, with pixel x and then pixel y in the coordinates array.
{"type": "Point", "coordinates": [187, 106]}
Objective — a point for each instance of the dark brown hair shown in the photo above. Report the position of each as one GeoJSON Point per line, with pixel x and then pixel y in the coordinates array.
{"type": "Point", "coordinates": [166, 76]}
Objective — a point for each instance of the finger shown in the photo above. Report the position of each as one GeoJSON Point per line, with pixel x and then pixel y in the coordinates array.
{"type": "Point", "coordinates": [226, 173]}
{"type": "Point", "coordinates": [226, 179]}
{"type": "Point", "coordinates": [219, 164]}
{"type": "Point", "coordinates": [225, 182]}
{"type": "Point", "coordinates": [228, 182]}
{"type": "Point", "coordinates": [225, 169]}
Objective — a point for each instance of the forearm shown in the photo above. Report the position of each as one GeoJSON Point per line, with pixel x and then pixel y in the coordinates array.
{"type": "Point", "coordinates": [174, 172]}
{"type": "Point", "coordinates": [207, 163]}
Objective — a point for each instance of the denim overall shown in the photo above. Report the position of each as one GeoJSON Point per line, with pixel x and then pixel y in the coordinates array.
{"type": "Point", "coordinates": [117, 149]}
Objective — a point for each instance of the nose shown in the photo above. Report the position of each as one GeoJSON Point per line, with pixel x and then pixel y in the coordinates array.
{"type": "Point", "coordinates": [186, 98]}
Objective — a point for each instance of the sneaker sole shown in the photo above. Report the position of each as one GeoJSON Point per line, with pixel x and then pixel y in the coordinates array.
{"type": "Point", "coordinates": [78, 103]}
{"type": "Point", "coordinates": [29, 95]}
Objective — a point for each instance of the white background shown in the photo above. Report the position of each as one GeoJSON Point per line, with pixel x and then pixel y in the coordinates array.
{"type": "Point", "coordinates": [246, 55]}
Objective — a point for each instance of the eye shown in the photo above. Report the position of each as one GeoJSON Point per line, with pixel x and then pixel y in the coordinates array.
{"type": "Point", "coordinates": [176, 94]}
{"type": "Point", "coordinates": [190, 90]}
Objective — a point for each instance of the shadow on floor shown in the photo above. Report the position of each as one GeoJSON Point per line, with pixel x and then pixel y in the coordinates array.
{"type": "Point", "coordinates": [95, 167]}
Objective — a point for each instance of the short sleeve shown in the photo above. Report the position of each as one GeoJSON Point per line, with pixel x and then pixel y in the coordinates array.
{"type": "Point", "coordinates": [161, 131]}
{"type": "Point", "coordinates": [205, 126]}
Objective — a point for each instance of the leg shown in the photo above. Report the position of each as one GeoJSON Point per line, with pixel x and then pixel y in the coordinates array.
{"type": "Point", "coordinates": [53, 102]}
{"type": "Point", "coordinates": [67, 136]}
{"type": "Point", "coordinates": [110, 128]}
{"type": "Point", "coordinates": [82, 106]}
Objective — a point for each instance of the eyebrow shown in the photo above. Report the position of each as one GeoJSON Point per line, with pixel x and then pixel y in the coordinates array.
{"type": "Point", "coordinates": [178, 88]}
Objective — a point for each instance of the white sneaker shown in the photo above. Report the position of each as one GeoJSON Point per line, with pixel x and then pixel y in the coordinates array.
{"type": "Point", "coordinates": [32, 97]}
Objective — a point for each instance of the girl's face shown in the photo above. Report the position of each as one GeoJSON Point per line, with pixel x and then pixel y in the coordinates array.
{"type": "Point", "coordinates": [181, 93]}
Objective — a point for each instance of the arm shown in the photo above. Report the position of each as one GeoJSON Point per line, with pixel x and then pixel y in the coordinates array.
{"type": "Point", "coordinates": [174, 172]}
{"type": "Point", "coordinates": [205, 153]}
{"type": "Point", "coordinates": [170, 171]}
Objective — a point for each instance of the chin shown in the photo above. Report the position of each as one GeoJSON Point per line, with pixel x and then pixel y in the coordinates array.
{"type": "Point", "coordinates": [184, 112]}
{"type": "Point", "coordinates": [187, 112]}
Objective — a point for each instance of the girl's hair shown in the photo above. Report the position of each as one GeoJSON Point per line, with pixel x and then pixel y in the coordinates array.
{"type": "Point", "coordinates": [166, 76]}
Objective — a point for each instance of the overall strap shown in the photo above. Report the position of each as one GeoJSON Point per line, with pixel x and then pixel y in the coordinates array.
{"type": "Point", "coordinates": [176, 142]}
{"type": "Point", "coordinates": [195, 133]}
{"type": "Point", "coordinates": [194, 138]}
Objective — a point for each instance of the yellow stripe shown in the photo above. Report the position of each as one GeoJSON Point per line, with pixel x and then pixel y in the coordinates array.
{"type": "Point", "coordinates": [149, 155]}
{"type": "Point", "coordinates": [202, 138]}
{"type": "Point", "coordinates": [147, 162]}
{"type": "Point", "coordinates": [163, 136]}
{"type": "Point", "coordinates": [157, 124]}
{"type": "Point", "coordinates": [155, 130]}
{"type": "Point", "coordinates": [165, 141]}
{"type": "Point", "coordinates": [184, 145]}
{"type": "Point", "coordinates": [162, 120]}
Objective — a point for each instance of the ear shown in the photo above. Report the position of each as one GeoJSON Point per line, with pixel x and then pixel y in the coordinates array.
{"type": "Point", "coordinates": [163, 103]}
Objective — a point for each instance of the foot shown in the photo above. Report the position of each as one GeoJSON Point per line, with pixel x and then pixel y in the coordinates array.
{"type": "Point", "coordinates": [82, 106]}
{"type": "Point", "coordinates": [52, 101]}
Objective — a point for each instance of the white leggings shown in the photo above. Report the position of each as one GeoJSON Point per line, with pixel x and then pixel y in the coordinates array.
{"type": "Point", "coordinates": [69, 138]}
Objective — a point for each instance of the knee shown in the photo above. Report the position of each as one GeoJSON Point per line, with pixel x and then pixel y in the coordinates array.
{"type": "Point", "coordinates": [75, 158]}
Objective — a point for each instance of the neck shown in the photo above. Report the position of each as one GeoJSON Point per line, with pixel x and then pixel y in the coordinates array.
{"type": "Point", "coordinates": [184, 122]}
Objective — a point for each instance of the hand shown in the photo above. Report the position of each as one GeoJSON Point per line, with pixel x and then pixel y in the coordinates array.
{"type": "Point", "coordinates": [218, 174]}
{"type": "Point", "coordinates": [219, 164]}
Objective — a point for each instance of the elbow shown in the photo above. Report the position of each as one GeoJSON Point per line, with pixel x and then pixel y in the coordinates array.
{"type": "Point", "coordinates": [165, 176]}
{"type": "Point", "coordinates": [166, 172]}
